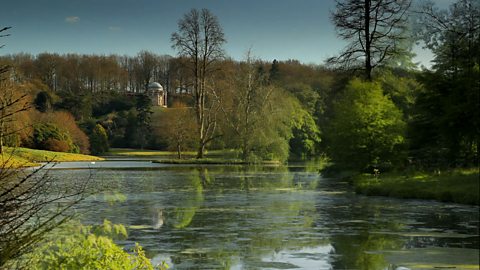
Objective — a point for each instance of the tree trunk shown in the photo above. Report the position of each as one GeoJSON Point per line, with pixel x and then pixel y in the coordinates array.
{"type": "Point", "coordinates": [179, 151]}
{"type": "Point", "coordinates": [201, 150]}
{"type": "Point", "coordinates": [368, 56]}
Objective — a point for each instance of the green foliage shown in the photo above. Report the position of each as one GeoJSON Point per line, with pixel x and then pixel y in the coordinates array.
{"type": "Point", "coordinates": [44, 101]}
{"type": "Point", "coordinates": [112, 102]}
{"type": "Point", "coordinates": [367, 129]}
{"type": "Point", "coordinates": [305, 94]}
{"type": "Point", "coordinates": [402, 89]}
{"type": "Point", "coordinates": [79, 104]}
{"type": "Point", "coordinates": [143, 121]}
{"type": "Point", "coordinates": [306, 136]}
{"type": "Point", "coordinates": [48, 136]}
{"type": "Point", "coordinates": [88, 247]}
{"type": "Point", "coordinates": [98, 140]}
{"type": "Point", "coordinates": [446, 121]}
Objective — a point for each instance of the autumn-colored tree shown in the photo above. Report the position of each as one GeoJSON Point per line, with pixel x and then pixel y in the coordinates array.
{"type": "Point", "coordinates": [177, 127]}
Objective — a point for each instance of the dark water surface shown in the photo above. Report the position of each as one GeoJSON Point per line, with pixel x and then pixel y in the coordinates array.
{"type": "Point", "coordinates": [236, 217]}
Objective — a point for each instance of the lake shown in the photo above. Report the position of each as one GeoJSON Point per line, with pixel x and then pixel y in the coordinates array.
{"type": "Point", "coordinates": [271, 217]}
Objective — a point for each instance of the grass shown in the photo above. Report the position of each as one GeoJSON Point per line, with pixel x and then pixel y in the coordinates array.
{"type": "Point", "coordinates": [23, 157]}
{"type": "Point", "coordinates": [144, 153]}
{"type": "Point", "coordinates": [212, 161]}
{"type": "Point", "coordinates": [459, 185]}
{"type": "Point", "coordinates": [229, 157]}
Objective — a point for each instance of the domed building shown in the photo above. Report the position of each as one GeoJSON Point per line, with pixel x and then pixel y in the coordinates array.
{"type": "Point", "coordinates": [157, 94]}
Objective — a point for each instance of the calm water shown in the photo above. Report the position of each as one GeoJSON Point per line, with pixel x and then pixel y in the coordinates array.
{"type": "Point", "coordinates": [233, 217]}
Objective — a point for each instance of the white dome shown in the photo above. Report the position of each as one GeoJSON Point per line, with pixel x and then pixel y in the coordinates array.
{"type": "Point", "coordinates": [155, 86]}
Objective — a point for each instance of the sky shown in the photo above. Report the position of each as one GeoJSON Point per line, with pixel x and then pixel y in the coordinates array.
{"type": "Point", "coordinates": [272, 29]}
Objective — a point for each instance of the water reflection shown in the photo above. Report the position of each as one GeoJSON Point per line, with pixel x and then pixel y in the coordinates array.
{"type": "Point", "coordinates": [237, 217]}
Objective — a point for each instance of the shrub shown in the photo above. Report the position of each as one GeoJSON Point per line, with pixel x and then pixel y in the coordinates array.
{"type": "Point", "coordinates": [56, 145]}
{"type": "Point", "coordinates": [47, 136]}
{"type": "Point", "coordinates": [98, 140]}
{"type": "Point", "coordinates": [65, 122]}
{"type": "Point", "coordinates": [87, 247]}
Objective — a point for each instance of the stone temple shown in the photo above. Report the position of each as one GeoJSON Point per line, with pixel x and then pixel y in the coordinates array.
{"type": "Point", "coordinates": [157, 94]}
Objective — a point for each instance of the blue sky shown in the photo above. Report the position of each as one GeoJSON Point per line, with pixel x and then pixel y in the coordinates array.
{"type": "Point", "coordinates": [273, 29]}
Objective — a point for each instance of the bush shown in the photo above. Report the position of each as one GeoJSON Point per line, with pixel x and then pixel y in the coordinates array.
{"type": "Point", "coordinates": [65, 122]}
{"type": "Point", "coordinates": [56, 145]}
{"type": "Point", "coordinates": [98, 140]}
{"type": "Point", "coordinates": [47, 136]}
{"type": "Point", "coordinates": [87, 247]}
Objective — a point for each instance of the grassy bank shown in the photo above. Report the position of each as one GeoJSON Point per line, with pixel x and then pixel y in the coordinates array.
{"type": "Point", "coordinates": [459, 186]}
{"type": "Point", "coordinates": [126, 152]}
{"type": "Point", "coordinates": [212, 161]}
{"type": "Point", "coordinates": [226, 157]}
{"type": "Point", "coordinates": [19, 157]}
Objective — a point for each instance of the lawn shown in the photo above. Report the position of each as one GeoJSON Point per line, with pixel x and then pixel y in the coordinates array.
{"type": "Point", "coordinates": [459, 185]}
{"type": "Point", "coordinates": [20, 157]}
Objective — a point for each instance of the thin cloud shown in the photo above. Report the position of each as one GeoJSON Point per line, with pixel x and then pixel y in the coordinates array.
{"type": "Point", "coordinates": [72, 19]}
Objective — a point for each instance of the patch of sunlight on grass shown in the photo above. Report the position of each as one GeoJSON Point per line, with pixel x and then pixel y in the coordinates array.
{"type": "Point", "coordinates": [29, 157]}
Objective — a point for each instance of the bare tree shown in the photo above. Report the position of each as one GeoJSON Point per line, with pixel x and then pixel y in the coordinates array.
{"type": "Point", "coordinates": [11, 102]}
{"type": "Point", "coordinates": [145, 67]}
{"type": "Point", "coordinates": [375, 30]}
{"type": "Point", "coordinates": [4, 68]}
{"type": "Point", "coordinates": [200, 39]}
{"type": "Point", "coordinates": [452, 35]}
{"type": "Point", "coordinates": [31, 204]}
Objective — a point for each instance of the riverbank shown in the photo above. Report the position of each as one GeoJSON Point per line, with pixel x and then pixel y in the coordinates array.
{"type": "Point", "coordinates": [458, 186]}
{"type": "Point", "coordinates": [220, 157]}
{"type": "Point", "coordinates": [213, 161]}
{"type": "Point", "coordinates": [26, 157]}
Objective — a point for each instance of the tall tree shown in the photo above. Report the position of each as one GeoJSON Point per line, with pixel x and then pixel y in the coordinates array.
{"type": "Point", "coordinates": [375, 30]}
{"type": "Point", "coordinates": [145, 68]}
{"type": "Point", "coordinates": [258, 115]}
{"type": "Point", "coordinates": [445, 126]}
{"type": "Point", "coordinates": [366, 130]}
{"type": "Point", "coordinates": [200, 39]}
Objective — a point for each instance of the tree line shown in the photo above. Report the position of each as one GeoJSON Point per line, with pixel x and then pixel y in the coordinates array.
{"type": "Point", "coordinates": [368, 107]}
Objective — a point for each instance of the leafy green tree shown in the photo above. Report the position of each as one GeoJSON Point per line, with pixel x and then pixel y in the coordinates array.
{"type": "Point", "coordinates": [367, 129]}
{"type": "Point", "coordinates": [258, 114]}
{"type": "Point", "coordinates": [306, 135]}
{"type": "Point", "coordinates": [274, 73]}
{"type": "Point", "coordinates": [78, 102]}
{"type": "Point", "coordinates": [98, 140]}
{"type": "Point", "coordinates": [144, 120]}
{"type": "Point", "coordinates": [305, 94]}
{"type": "Point", "coordinates": [446, 121]}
